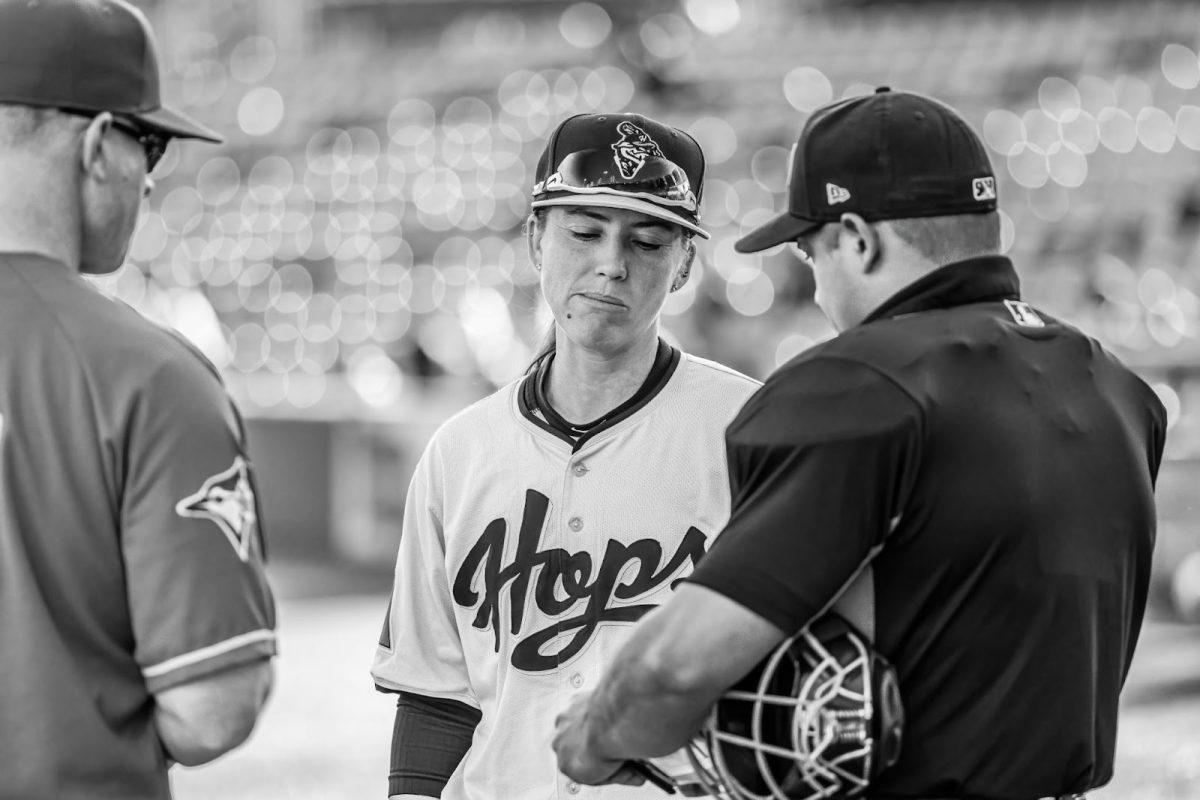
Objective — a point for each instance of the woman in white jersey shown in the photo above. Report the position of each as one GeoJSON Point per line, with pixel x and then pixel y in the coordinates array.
{"type": "Point", "coordinates": [544, 520]}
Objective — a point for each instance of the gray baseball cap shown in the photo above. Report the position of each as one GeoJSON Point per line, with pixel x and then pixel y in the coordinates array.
{"type": "Point", "coordinates": [86, 55]}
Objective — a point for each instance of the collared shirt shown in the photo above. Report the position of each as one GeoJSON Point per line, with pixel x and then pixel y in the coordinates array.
{"type": "Point", "coordinates": [988, 470]}
{"type": "Point", "coordinates": [130, 547]}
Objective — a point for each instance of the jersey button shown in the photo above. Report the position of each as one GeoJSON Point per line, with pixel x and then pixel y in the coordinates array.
{"type": "Point", "coordinates": [580, 470]}
{"type": "Point", "coordinates": [577, 680]}
{"type": "Point", "coordinates": [575, 524]}
{"type": "Point", "coordinates": [573, 787]}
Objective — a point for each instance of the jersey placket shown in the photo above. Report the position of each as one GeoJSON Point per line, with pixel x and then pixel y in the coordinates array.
{"type": "Point", "coordinates": [574, 534]}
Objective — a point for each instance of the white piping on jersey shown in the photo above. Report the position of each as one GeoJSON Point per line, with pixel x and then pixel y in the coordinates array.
{"type": "Point", "coordinates": [205, 653]}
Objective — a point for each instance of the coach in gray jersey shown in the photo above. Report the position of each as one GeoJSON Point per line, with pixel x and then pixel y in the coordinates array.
{"type": "Point", "coordinates": [136, 625]}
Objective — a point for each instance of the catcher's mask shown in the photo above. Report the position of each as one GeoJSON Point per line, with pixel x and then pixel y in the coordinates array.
{"type": "Point", "coordinates": [819, 718]}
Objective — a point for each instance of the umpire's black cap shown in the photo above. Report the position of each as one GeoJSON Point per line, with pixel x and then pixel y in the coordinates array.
{"type": "Point", "coordinates": [887, 155]}
{"type": "Point", "coordinates": [86, 55]}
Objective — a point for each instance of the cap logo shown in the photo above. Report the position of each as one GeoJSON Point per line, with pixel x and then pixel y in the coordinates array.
{"type": "Point", "coordinates": [836, 194]}
{"type": "Point", "coordinates": [633, 149]}
{"type": "Point", "coordinates": [984, 189]}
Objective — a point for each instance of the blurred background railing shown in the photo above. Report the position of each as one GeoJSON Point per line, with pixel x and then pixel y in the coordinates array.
{"type": "Point", "coordinates": [353, 258]}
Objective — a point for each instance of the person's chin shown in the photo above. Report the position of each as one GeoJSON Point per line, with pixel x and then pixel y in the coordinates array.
{"type": "Point", "coordinates": [597, 334]}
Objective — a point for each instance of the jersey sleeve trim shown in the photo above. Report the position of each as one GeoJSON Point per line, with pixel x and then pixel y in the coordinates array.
{"type": "Point", "coordinates": [180, 669]}
{"type": "Point", "coordinates": [391, 687]}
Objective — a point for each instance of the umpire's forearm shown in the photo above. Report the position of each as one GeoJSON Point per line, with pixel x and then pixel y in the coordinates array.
{"type": "Point", "coordinates": [644, 708]}
{"type": "Point", "coordinates": [677, 662]}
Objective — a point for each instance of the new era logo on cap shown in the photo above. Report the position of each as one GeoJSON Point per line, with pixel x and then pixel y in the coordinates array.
{"type": "Point", "coordinates": [836, 194]}
{"type": "Point", "coordinates": [984, 188]}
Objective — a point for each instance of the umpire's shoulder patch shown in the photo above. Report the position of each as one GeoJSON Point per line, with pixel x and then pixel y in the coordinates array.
{"type": "Point", "coordinates": [1023, 314]}
{"type": "Point", "coordinates": [227, 500]}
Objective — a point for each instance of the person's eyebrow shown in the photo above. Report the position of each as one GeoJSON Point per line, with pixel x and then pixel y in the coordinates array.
{"type": "Point", "coordinates": [602, 217]}
{"type": "Point", "coordinates": [586, 212]}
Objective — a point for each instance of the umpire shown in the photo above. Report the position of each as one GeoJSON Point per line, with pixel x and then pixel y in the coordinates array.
{"type": "Point", "coordinates": [978, 472]}
{"type": "Point", "coordinates": [136, 625]}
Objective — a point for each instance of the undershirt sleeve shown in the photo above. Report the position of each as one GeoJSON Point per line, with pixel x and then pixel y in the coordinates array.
{"type": "Point", "coordinates": [821, 461]}
{"type": "Point", "coordinates": [429, 740]}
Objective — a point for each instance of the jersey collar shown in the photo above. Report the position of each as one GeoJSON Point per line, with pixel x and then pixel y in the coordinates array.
{"type": "Point", "coordinates": [532, 402]}
{"type": "Point", "coordinates": [975, 280]}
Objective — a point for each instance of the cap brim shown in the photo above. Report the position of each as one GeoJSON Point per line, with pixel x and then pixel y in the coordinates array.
{"type": "Point", "coordinates": [178, 125]}
{"type": "Point", "coordinates": [627, 203]}
{"type": "Point", "coordinates": [784, 228]}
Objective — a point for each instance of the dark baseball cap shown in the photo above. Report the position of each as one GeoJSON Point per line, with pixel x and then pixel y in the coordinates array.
{"type": "Point", "coordinates": [623, 161]}
{"type": "Point", "coordinates": [887, 155]}
{"type": "Point", "coordinates": [86, 55]}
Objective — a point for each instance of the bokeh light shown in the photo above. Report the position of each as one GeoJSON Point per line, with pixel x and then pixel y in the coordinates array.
{"type": "Point", "coordinates": [714, 17]}
{"type": "Point", "coordinates": [252, 59]}
{"type": "Point", "coordinates": [1155, 129]}
{"type": "Point", "coordinates": [1004, 131]}
{"type": "Point", "coordinates": [261, 111]}
{"type": "Point", "coordinates": [1180, 66]}
{"type": "Point", "coordinates": [585, 25]}
{"type": "Point", "coordinates": [717, 137]}
{"type": "Point", "coordinates": [1058, 98]}
{"type": "Point", "coordinates": [807, 88]}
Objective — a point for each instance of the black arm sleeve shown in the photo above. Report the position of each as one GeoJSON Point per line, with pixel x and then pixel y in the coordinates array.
{"type": "Point", "coordinates": [429, 739]}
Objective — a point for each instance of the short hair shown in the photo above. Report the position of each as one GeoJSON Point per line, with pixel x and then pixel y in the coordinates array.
{"type": "Point", "coordinates": [950, 238]}
{"type": "Point", "coordinates": [20, 124]}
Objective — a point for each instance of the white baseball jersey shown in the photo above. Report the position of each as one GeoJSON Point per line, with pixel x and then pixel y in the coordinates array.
{"type": "Point", "coordinates": [526, 558]}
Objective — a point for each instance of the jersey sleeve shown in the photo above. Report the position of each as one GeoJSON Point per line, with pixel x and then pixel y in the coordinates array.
{"type": "Point", "coordinates": [419, 649]}
{"type": "Point", "coordinates": [820, 462]}
{"type": "Point", "coordinates": [190, 533]}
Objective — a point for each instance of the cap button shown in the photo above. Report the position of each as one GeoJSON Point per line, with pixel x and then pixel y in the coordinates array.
{"type": "Point", "coordinates": [883, 89]}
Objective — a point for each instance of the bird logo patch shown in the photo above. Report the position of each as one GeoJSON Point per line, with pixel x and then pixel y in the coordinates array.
{"type": "Point", "coordinates": [633, 149]}
{"type": "Point", "coordinates": [226, 499]}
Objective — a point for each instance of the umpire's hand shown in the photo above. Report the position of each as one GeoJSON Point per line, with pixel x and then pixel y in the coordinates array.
{"type": "Point", "coordinates": [575, 747]}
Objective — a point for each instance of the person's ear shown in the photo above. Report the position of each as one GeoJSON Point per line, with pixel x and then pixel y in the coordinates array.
{"type": "Point", "coordinates": [533, 238]}
{"type": "Point", "coordinates": [92, 156]}
{"type": "Point", "coordinates": [861, 238]}
{"type": "Point", "coordinates": [685, 268]}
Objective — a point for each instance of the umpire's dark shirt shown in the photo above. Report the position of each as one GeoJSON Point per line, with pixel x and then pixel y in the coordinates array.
{"type": "Point", "coordinates": [996, 467]}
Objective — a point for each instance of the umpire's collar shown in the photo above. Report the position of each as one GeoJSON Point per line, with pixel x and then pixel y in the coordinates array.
{"type": "Point", "coordinates": [975, 280]}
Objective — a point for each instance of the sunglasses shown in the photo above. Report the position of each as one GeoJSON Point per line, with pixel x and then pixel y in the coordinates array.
{"type": "Point", "coordinates": [657, 179]}
{"type": "Point", "coordinates": [154, 143]}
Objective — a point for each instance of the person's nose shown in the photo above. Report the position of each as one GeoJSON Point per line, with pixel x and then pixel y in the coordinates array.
{"type": "Point", "coordinates": [611, 263]}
